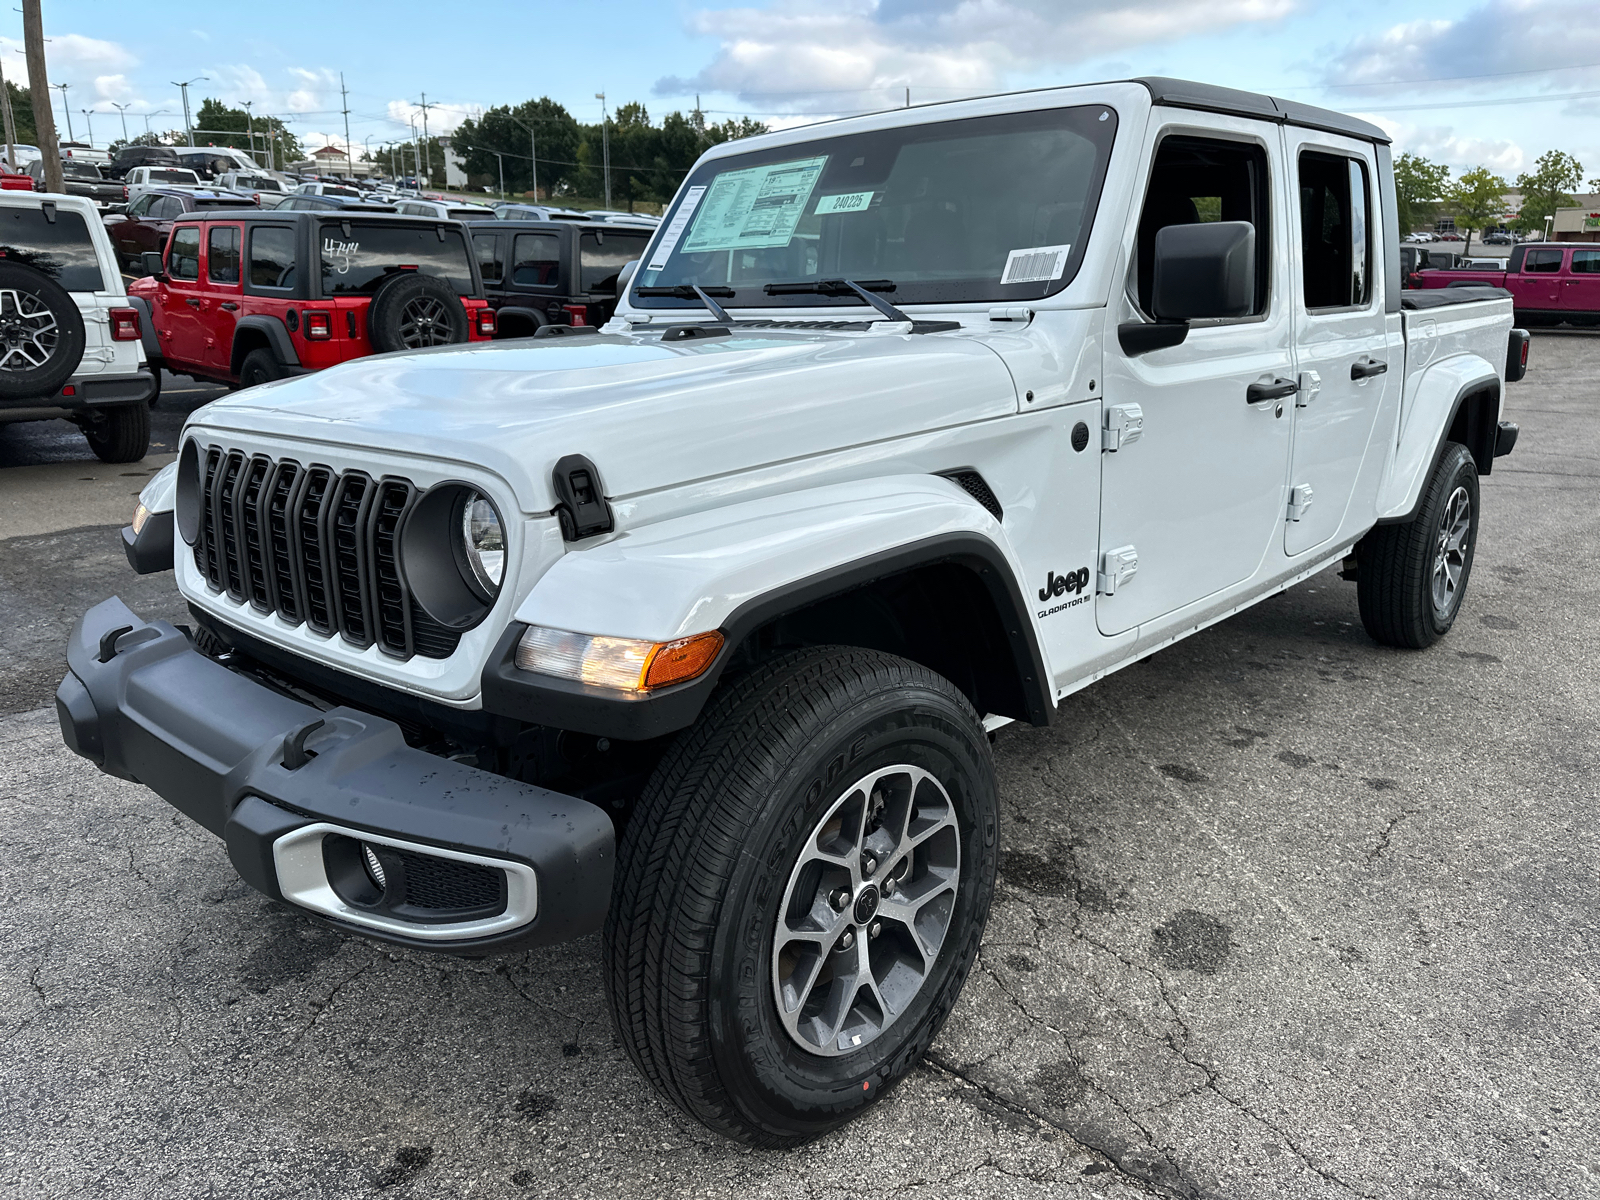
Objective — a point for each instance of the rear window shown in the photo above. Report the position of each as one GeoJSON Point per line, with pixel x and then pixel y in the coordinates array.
{"type": "Point", "coordinates": [536, 261]}
{"type": "Point", "coordinates": [61, 250]}
{"type": "Point", "coordinates": [356, 262]}
{"type": "Point", "coordinates": [170, 175]}
{"type": "Point", "coordinates": [489, 264]}
{"type": "Point", "coordinates": [469, 214]}
{"type": "Point", "coordinates": [271, 256]}
{"type": "Point", "coordinates": [72, 169]}
{"type": "Point", "coordinates": [602, 253]}
{"type": "Point", "coordinates": [1586, 262]}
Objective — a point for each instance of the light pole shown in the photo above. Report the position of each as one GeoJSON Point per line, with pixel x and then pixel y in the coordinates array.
{"type": "Point", "coordinates": [533, 155]}
{"type": "Point", "coordinates": [605, 144]}
{"type": "Point", "coordinates": [88, 116]}
{"type": "Point", "coordinates": [188, 129]}
{"type": "Point", "coordinates": [250, 130]}
{"type": "Point", "coordinates": [64, 108]}
{"type": "Point", "coordinates": [367, 142]}
{"type": "Point", "coordinates": [122, 111]}
{"type": "Point", "coordinates": [160, 112]}
{"type": "Point", "coordinates": [500, 161]}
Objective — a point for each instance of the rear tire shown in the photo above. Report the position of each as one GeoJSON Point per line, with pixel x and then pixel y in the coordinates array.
{"type": "Point", "coordinates": [750, 1019]}
{"type": "Point", "coordinates": [259, 366]}
{"type": "Point", "coordinates": [122, 435]}
{"type": "Point", "coordinates": [1412, 576]}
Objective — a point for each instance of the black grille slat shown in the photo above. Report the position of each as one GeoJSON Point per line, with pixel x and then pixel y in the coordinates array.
{"type": "Point", "coordinates": [445, 883]}
{"type": "Point", "coordinates": [317, 548]}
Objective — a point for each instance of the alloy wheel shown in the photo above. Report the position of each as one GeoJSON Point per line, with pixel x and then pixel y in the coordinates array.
{"type": "Point", "coordinates": [425, 322]}
{"type": "Point", "coordinates": [28, 331]}
{"type": "Point", "coordinates": [1450, 553]}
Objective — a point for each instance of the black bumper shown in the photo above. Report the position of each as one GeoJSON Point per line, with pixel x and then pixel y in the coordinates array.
{"type": "Point", "coordinates": [81, 392]}
{"type": "Point", "coordinates": [149, 550]}
{"type": "Point", "coordinates": [145, 705]}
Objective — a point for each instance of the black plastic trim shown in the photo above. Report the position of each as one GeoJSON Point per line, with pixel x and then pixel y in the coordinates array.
{"type": "Point", "coordinates": [208, 740]}
{"type": "Point", "coordinates": [1141, 337]}
{"type": "Point", "coordinates": [1505, 438]}
{"type": "Point", "coordinates": [1483, 461]}
{"type": "Point", "coordinates": [1206, 97]}
{"type": "Point", "coordinates": [546, 700]}
{"type": "Point", "coordinates": [149, 550]}
{"type": "Point", "coordinates": [277, 337]}
{"type": "Point", "coordinates": [147, 329]}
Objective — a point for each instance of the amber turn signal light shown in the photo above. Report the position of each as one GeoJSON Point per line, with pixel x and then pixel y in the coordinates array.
{"type": "Point", "coordinates": [682, 660]}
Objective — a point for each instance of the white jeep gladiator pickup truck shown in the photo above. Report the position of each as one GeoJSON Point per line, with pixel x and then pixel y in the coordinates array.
{"type": "Point", "coordinates": [691, 629]}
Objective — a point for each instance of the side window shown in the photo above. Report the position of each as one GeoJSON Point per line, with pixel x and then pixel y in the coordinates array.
{"type": "Point", "coordinates": [271, 257]}
{"type": "Point", "coordinates": [603, 253]}
{"type": "Point", "coordinates": [1196, 180]}
{"type": "Point", "coordinates": [165, 208]}
{"type": "Point", "coordinates": [1586, 262]}
{"type": "Point", "coordinates": [183, 258]}
{"type": "Point", "coordinates": [141, 206]}
{"type": "Point", "coordinates": [1334, 248]}
{"type": "Point", "coordinates": [537, 260]}
{"type": "Point", "coordinates": [490, 261]}
{"type": "Point", "coordinates": [1543, 262]}
{"type": "Point", "coordinates": [222, 254]}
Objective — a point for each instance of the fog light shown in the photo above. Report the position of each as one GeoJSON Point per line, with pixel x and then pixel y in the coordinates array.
{"type": "Point", "coordinates": [374, 867]}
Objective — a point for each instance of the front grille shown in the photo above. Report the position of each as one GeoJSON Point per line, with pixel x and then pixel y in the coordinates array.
{"type": "Point", "coordinates": [445, 883]}
{"type": "Point", "coordinates": [316, 547]}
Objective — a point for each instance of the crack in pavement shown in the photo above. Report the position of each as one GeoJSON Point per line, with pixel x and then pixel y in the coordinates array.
{"type": "Point", "coordinates": [1383, 839]}
{"type": "Point", "coordinates": [320, 1009]}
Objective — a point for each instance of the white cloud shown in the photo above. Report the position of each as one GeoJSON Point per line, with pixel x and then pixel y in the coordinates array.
{"type": "Point", "coordinates": [316, 92]}
{"type": "Point", "coordinates": [112, 89]}
{"type": "Point", "coordinates": [827, 55]}
{"type": "Point", "coordinates": [442, 118]}
{"type": "Point", "coordinates": [1441, 143]}
{"type": "Point", "coordinates": [1552, 44]}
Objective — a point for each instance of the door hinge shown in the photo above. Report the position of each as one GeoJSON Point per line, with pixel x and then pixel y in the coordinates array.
{"type": "Point", "coordinates": [1124, 425]}
{"type": "Point", "coordinates": [1116, 568]}
{"type": "Point", "coordinates": [1310, 385]}
{"type": "Point", "coordinates": [1299, 500]}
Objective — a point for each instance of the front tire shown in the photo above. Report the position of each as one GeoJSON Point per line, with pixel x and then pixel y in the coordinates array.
{"type": "Point", "coordinates": [121, 434]}
{"type": "Point", "coordinates": [1412, 576]}
{"type": "Point", "coordinates": [827, 792]}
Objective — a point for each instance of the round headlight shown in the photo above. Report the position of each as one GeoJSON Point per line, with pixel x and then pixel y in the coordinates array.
{"type": "Point", "coordinates": [484, 543]}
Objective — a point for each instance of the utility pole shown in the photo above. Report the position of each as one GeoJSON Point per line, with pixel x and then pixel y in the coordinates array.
{"type": "Point", "coordinates": [605, 144]}
{"type": "Point", "coordinates": [62, 87]}
{"type": "Point", "coordinates": [425, 106]}
{"type": "Point", "coordinates": [908, 97]}
{"type": "Point", "coordinates": [533, 153]}
{"type": "Point", "coordinates": [11, 125]}
{"type": "Point", "coordinates": [88, 119]}
{"type": "Point", "coordinates": [249, 129]}
{"type": "Point", "coordinates": [44, 120]}
{"type": "Point", "coordinates": [122, 111]}
{"type": "Point", "coordinates": [188, 128]}
{"type": "Point", "coordinates": [344, 95]}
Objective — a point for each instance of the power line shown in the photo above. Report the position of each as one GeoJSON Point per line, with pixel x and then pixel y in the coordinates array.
{"type": "Point", "coordinates": [1483, 103]}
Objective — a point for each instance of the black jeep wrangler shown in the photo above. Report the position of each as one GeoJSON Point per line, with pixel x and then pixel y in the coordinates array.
{"type": "Point", "coordinates": [538, 273]}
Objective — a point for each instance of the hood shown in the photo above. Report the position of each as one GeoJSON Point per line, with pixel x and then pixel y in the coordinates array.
{"type": "Point", "coordinates": [649, 414]}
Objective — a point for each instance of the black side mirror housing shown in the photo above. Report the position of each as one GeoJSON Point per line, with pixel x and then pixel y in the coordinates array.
{"type": "Point", "coordinates": [150, 260]}
{"type": "Point", "coordinates": [1206, 270]}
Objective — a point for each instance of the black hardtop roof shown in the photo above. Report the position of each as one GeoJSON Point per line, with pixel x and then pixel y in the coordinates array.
{"type": "Point", "coordinates": [321, 214]}
{"type": "Point", "coordinates": [1208, 97]}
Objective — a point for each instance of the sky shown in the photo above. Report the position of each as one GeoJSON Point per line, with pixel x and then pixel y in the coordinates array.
{"type": "Point", "coordinates": [1494, 83]}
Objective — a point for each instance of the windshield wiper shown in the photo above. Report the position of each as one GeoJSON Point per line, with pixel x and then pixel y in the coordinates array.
{"type": "Point", "coordinates": [843, 287]}
{"type": "Point", "coordinates": [689, 291]}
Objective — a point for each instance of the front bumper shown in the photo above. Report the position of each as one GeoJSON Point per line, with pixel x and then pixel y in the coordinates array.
{"type": "Point", "coordinates": [295, 791]}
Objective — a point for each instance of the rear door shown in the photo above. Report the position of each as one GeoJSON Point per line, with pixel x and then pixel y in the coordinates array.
{"type": "Point", "coordinates": [1580, 285]}
{"type": "Point", "coordinates": [219, 303]}
{"type": "Point", "coordinates": [1345, 346]}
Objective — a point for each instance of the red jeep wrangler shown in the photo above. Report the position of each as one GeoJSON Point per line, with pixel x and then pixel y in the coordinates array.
{"type": "Point", "coordinates": [242, 297]}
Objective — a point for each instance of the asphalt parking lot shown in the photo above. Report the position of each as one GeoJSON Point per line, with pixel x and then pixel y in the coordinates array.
{"type": "Point", "coordinates": [1282, 914]}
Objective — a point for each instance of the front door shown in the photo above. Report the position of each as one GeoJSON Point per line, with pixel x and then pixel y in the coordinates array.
{"type": "Point", "coordinates": [1199, 497]}
{"type": "Point", "coordinates": [219, 305]}
{"type": "Point", "coordinates": [1539, 285]}
{"type": "Point", "coordinates": [1346, 354]}
{"type": "Point", "coordinates": [182, 336]}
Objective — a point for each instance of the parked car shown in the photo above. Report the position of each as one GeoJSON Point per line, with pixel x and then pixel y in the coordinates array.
{"type": "Point", "coordinates": [693, 630]}
{"type": "Point", "coordinates": [254, 184]}
{"type": "Point", "coordinates": [140, 156]}
{"type": "Point", "coordinates": [141, 178]}
{"type": "Point", "coordinates": [83, 152]}
{"type": "Point", "coordinates": [328, 189]}
{"type": "Point", "coordinates": [538, 212]}
{"type": "Point", "coordinates": [15, 181]}
{"type": "Point", "coordinates": [538, 273]}
{"type": "Point", "coordinates": [1422, 236]}
{"type": "Point", "coordinates": [25, 155]}
{"type": "Point", "coordinates": [1449, 237]}
{"type": "Point", "coordinates": [1498, 238]}
{"type": "Point", "coordinates": [148, 219]}
{"type": "Point", "coordinates": [449, 210]}
{"type": "Point", "coordinates": [245, 297]}
{"type": "Point", "coordinates": [210, 161]}
{"type": "Point", "coordinates": [274, 199]}
{"type": "Point", "coordinates": [1550, 283]}
{"type": "Point", "coordinates": [298, 203]}
{"type": "Point", "coordinates": [71, 347]}
{"type": "Point", "coordinates": [81, 178]}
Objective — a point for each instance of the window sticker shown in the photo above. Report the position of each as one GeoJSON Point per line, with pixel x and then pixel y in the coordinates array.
{"type": "Point", "coordinates": [1037, 264]}
{"type": "Point", "coordinates": [755, 208]}
{"type": "Point", "coordinates": [847, 203]}
{"type": "Point", "coordinates": [669, 239]}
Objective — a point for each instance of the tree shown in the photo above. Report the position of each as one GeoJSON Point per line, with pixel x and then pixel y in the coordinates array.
{"type": "Point", "coordinates": [1548, 187]}
{"type": "Point", "coordinates": [218, 125]}
{"type": "Point", "coordinates": [1419, 187]}
{"type": "Point", "coordinates": [554, 133]}
{"type": "Point", "coordinates": [1477, 200]}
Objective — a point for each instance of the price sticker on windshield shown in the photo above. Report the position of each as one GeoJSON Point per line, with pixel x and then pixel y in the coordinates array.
{"type": "Point", "coordinates": [847, 203]}
{"type": "Point", "coordinates": [1037, 264]}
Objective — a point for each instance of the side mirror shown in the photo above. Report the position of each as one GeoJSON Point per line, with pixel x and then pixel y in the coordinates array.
{"type": "Point", "coordinates": [625, 276]}
{"type": "Point", "coordinates": [150, 260]}
{"type": "Point", "coordinates": [1203, 271]}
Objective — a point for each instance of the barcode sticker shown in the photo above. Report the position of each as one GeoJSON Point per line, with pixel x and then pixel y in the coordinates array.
{"type": "Point", "coordinates": [674, 231]}
{"type": "Point", "coordinates": [1037, 264]}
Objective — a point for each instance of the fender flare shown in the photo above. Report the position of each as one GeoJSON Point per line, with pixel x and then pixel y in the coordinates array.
{"type": "Point", "coordinates": [738, 568]}
{"type": "Point", "coordinates": [277, 337]}
{"type": "Point", "coordinates": [147, 330]}
{"type": "Point", "coordinates": [1430, 412]}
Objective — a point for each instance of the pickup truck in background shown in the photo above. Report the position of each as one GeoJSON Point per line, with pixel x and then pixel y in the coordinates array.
{"type": "Point", "coordinates": [1549, 282]}
{"type": "Point", "coordinates": [692, 627]}
{"type": "Point", "coordinates": [82, 178]}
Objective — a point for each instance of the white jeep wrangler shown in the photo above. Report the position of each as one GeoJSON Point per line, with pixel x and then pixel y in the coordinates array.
{"type": "Point", "coordinates": [691, 628]}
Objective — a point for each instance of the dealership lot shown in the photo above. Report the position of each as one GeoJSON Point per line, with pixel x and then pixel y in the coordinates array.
{"type": "Point", "coordinates": [1282, 913]}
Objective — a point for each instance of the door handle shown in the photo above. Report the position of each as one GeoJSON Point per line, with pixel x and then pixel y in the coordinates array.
{"type": "Point", "coordinates": [191, 302]}
{"type": "Point", "coordinates": [229, 305]}
{"type": "Point", "coordinates": [1257, 393]}
{"type": "Point", "coordinates": [1365, 368]}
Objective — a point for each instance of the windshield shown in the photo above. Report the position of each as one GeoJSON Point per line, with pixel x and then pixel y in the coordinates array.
{"type": "Point", "coordinates": [357, 261]}
{"type": "Point", "coordinates": [989, 208]}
